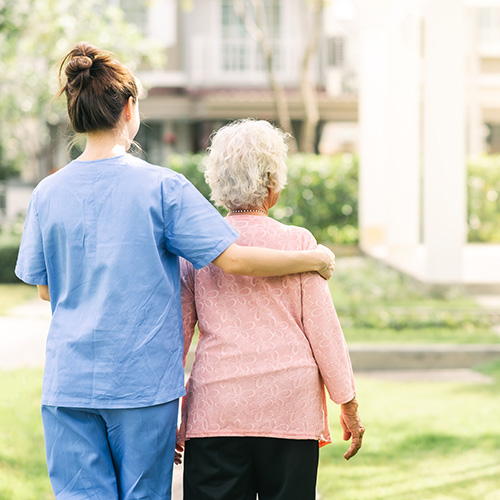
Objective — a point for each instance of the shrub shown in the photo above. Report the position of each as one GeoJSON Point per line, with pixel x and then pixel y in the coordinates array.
{"type": "Point", "coordinates": [483, 188]}
{"type": "Point", "coordinates": [322, 193]}
{"type": "Point", "coordinates": [9, 247]}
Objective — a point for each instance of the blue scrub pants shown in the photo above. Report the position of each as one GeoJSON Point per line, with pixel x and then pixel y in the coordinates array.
{"type": "Point", "coordinates": [119, 454]}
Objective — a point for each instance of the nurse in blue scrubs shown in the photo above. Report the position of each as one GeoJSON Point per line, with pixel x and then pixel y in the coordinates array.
{"type": "Point", "coordinates": [102, 242]}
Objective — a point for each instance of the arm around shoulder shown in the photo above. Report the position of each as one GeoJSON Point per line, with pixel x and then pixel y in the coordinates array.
{"type": "Point", "coordinates": [256, 261]}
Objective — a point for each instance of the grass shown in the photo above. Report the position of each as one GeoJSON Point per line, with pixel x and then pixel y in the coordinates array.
{"type": "Point", "coordinates": [12, 295]}
{"type": "Point", "coordinates": [23, 473]}
{"type": "Point", "coordinates": [378, 304]}
{"type": "Point", "coordinates": [424, 441]}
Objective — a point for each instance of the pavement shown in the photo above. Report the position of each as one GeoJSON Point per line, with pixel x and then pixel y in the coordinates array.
{"type": "Point", "coordinates": [23, 334]}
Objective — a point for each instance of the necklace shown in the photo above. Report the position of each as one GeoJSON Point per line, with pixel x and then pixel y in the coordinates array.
{"type": "Point", "coordinates": [240, 211]}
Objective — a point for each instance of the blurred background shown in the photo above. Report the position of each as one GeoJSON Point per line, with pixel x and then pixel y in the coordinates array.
{"type": "Point", "coordinates": [394, 109]}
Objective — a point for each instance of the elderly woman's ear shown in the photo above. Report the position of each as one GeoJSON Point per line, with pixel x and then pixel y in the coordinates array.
{"type": "Point", "coordinates": [272, 197]}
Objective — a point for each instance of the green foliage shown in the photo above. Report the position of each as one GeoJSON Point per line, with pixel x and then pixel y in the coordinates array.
{"type": "Point", "coordinates": [9, 247]}
{"type": "Point", "coordinates": [484, 199]}
{"type": "Point", "coordinates": [191, 165]}
{"type": "Point", "coordinates": [321, 195]}
{"type": "Point", "coordinates": [372, 299]}
{"type": "Point", "coordinates": [34, 36]}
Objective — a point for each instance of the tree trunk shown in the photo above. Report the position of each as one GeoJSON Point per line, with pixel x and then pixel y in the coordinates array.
{"type": "Point", "coordinates": [257, 29]}
{"type": "Point", "coordinates": [307, 87]}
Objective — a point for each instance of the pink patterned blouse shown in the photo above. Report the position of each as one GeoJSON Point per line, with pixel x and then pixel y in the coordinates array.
{"type": "Point", "coordinates": [266, 349]}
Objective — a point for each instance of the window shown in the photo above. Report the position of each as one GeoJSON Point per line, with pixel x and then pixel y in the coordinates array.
{"type": "Point", "coordinates": [489, 23]}
{"type": "Point", "coordinates": [240, 52]}
{"type": "Point", "coordinates": [335, 51]}
{"type": "Point", "coordinates": [135, 12]}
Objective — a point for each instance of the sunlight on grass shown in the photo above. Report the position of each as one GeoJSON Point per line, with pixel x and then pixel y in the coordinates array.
{"type": "Point", "coordinates": [23, 473]}
{"type": "Point", "coordinates": [418, 336]}
{"type": "Point", "coordinates": [12, 295]}
{"type": "Point", "coordinates": [424, 441]}
{"type": "Point", "coordinates": [378, 304]}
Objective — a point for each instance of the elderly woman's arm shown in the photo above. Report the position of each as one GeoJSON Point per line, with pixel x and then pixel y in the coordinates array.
{"type": "Point", "coordinates": [255, 261]}
{"type": "Point", "coordinates": [323, 330]}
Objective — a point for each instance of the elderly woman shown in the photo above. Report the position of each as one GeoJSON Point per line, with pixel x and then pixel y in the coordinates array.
{"type": "Point", "coordinates": [255, 411]}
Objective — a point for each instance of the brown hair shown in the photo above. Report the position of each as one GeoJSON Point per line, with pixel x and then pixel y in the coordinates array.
{"type": "Point", "coordinates": [97, 87]}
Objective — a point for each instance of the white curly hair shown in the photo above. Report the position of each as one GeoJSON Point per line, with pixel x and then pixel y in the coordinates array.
{"type": "Point", "coordinates": [246, 158]}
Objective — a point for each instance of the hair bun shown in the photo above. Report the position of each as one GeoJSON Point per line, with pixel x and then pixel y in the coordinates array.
{"type": "Point", "coordinates": [79, 68]}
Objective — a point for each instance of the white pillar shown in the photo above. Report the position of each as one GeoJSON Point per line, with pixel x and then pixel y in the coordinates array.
{"type": "Point", "coordinates": [444, 140]}
{"type": "Point", "coordinates": [374, 18]}
{"type": "Point", "coordinates": [162, 21]}
{"type": "Point", "coordinates": [403, 112]}
{"type": "Point", "coordinates": [476, 140]}
{"type": "Point", "coordinates": [389, 116]}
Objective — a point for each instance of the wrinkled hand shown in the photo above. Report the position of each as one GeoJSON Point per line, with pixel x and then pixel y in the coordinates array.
{"type": "Point", "coordinates": [329, 262]}
{"type": "Point", "coordinates": [352, 427]}
{"type": "Point", "coordinates": [178, 454]}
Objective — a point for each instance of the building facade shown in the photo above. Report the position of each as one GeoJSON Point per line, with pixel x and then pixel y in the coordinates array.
{"type": "Point", "coordinates": [216, 71]}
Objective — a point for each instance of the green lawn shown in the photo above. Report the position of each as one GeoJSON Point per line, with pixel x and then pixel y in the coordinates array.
{"type": "Point", "coordinates": [12, 295]}
{"type": "Point", "coordinates": [378, 304]}
{"type": "Point", "coordinates": [23, 473]}
{"type": "Point", "coordinates": [424, 441]}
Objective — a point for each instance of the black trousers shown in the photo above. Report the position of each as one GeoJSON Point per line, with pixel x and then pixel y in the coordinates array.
{"type": "Point", "coordinates": [239, 468]}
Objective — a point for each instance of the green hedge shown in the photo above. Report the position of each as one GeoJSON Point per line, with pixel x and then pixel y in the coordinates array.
{"type": "Point", "coordinates": [484, 199]}
{"type": "Point", "coordinates": [9, 247]}
{"type": "Point", "coordinates": [321, 194]}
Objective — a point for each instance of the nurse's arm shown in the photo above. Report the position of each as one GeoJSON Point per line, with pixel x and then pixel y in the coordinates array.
{"type": "Point", "coordinates": [256, 261]}
{"type": "Point", "coordinates": [43, 292]}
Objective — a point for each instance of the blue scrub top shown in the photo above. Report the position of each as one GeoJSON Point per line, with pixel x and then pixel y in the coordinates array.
{"type": "Point", "coordinates": [106, 237]}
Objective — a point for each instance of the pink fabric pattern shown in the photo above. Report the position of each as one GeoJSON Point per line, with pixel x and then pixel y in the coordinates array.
{"type": "Point", "coordinates": [267, 346]}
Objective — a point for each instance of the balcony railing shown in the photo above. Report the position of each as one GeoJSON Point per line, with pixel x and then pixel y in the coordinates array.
{"type": "Point", "coordinates": [239, 62]}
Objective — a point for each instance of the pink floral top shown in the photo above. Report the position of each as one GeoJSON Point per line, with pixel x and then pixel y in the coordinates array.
{"type": "Point", "coordinates": [266, 349]}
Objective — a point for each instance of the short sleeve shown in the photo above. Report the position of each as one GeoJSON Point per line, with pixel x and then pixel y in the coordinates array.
{"type": "Point", "coordinates": [194, 230]}
{"type": "Point", "coordinates": [30, 266]}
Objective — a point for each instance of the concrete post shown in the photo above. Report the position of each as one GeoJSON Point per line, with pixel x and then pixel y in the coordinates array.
{"type": "Point", "coordinates": [404, 120]}
{"type": "Point", "coordinates": [389, 116]}
{"type": "Point", "coordinates": [444, 140]}
{"type": "Point", "coordinates": [374, 18]}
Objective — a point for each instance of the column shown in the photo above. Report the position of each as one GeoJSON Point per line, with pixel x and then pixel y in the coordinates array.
{"type": "Point", "coordinates": [444, 140]}
{"type": "Point", "coordinates": [374, 18]}
{"type": "Point", "coordinates": [403, 111]}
